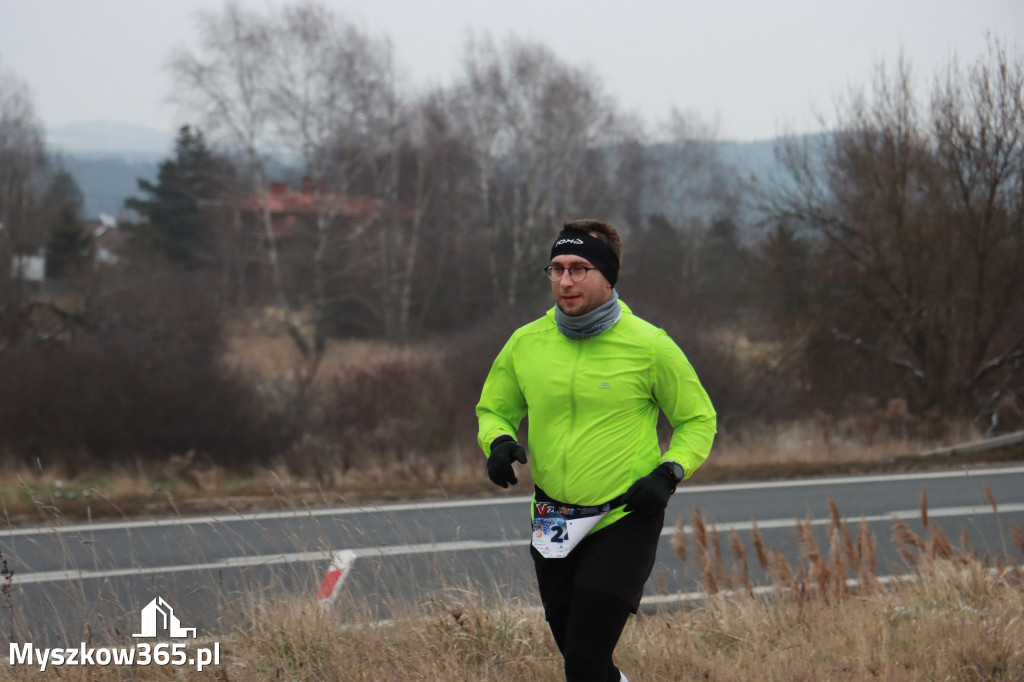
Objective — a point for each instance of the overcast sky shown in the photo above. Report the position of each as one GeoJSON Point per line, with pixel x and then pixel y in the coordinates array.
{"type": "Point", "coordinates": [754, 68]}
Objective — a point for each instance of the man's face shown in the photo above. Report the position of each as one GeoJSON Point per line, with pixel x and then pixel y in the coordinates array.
{"type": "Point", "coordinates": [578, 298]}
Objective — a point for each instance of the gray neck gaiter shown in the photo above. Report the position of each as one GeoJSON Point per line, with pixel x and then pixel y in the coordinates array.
{"type": "Point", "coordinates": [590, 324]}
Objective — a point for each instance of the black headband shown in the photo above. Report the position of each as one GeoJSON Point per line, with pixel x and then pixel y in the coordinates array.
{"type": "Point", "coordinates": [600, 255]}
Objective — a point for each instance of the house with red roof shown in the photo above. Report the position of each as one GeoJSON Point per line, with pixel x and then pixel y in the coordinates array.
{"type": "Point", "coordinates": [304, 220]}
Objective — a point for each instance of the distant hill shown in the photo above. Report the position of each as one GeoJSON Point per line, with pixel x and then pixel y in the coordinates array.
{"type": "Point", "coordinates": [106, 181]}
{"type": "Point", "coordinates": [753, 159]}
{"type": "Point", "coordinates": [107, 159]}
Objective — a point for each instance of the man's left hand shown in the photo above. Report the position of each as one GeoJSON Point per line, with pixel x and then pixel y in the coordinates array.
{"type": "Point", "coordinates": [649, 495]}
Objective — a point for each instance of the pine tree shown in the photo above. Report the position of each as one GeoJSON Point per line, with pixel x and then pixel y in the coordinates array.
{"type": "Point", "coordinates": [178, 224]}
{"type": "Point", "coordinates": [70, 246]}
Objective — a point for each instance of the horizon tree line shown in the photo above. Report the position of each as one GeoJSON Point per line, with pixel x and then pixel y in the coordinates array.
{"type": "Point", "coordinates": [884, 261]}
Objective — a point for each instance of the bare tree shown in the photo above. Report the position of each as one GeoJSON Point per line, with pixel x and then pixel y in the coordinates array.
{"type": "Point", "coordinates": [334, 100]}
{"type": "Point", "coordinates": [22, 160]}
{"type": "Point", "coordinates": [978, 124]}
{"type": "Point", "coordinates": [538, 126]}
{"type": "Point", "coordinates": [225, 85]}
{"type": "Point", "coordinates": [689, 187]}
{"type": "Point", "coordinates": [920, 216]}
{"type": "Point", "coordinates": [441, 187]}
{"type": "Point", "coordinates": [311, 85]}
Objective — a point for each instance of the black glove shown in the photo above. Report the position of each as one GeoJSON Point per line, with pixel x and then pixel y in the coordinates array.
{"type": "Point", "coordinates": [504, 449]}
{"type": "Point", "coordinates": [649, 495]}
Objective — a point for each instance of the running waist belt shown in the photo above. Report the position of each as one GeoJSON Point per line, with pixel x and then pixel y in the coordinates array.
{"type": "Point", "coordinates": [558, 526]}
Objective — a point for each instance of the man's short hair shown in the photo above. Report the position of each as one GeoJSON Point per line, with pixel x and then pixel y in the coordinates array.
{"type": "Point", "coordinates": [600, 230]}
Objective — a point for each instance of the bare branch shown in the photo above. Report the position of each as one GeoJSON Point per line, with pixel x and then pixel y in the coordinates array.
{"type": "Point", "coordinates": [899, 362]}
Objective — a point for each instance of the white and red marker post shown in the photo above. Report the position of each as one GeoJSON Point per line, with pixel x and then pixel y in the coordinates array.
{"type": "Point", "coordinates": [341, 566]}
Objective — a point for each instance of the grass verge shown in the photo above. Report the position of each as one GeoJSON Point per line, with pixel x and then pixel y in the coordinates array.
{"type": "Point", "coordinates": [185, 484]}
{"type": "Point", "coordinates": [955, 614]}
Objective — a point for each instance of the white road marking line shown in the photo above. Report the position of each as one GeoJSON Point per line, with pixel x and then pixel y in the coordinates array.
{"type": "Point", "coordinates": [905, 515]}
{"type": "Point", "coordinates": [257, 561]}
{"type": "Point", "coordinates": [464, 545]}
{"type": "Point", "coordinates": [490, 501]}
{"type": "Point", "coordinates": [263, 516]}
{"type": "Point", "coordinates": [846, 480]}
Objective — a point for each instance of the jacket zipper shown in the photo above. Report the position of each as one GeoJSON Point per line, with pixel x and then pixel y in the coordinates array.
{"type": "Point", "coordinates": [572, 418]}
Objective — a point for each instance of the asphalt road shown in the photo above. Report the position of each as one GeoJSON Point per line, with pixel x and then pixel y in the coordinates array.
{"type": "Point", "coordinates": [88, 582]}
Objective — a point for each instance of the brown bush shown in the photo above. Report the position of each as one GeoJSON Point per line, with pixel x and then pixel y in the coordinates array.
{"type": "Point", "coordinates": [141, 378]}
{"type": "Point", "coordinates": [395, 406]}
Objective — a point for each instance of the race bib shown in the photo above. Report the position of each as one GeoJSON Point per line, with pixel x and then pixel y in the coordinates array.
{"type": "Point", "coordinates": [558, 529]}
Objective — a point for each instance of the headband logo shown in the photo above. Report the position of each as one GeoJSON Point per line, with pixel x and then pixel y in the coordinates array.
{"type": "Point", "coordinates": [568, 241]}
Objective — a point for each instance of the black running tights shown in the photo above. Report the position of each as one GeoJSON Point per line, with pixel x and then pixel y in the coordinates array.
{"type": "Point", "coordinates": [586, 628]}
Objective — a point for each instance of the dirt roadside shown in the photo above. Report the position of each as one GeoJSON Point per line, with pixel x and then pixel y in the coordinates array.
{"type": "Point", "coordinates": [56, 512]}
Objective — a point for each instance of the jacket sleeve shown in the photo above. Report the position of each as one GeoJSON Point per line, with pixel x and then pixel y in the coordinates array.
{"type": "Point", "coordinates": [685, 403]}
{"type": "Point", "coordinates": [502, 406]}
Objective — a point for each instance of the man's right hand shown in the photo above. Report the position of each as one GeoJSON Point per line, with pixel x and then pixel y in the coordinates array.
{"type": "Point", "coordinates": [504, 449]}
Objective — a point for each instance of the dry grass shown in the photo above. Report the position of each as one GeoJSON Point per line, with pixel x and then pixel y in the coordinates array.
{"type": "Point", "coordinates": [953, 623]}
{"type": "Point", "coordinates": [871, 439]}
{"type": "Point", "coordinates": [259, 346]}
{"type": "Point", "coordinates": [953, 616]}
{"type": "Point", "coordinates": [46, 493]}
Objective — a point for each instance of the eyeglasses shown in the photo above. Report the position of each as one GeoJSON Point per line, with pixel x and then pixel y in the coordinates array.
{"type": "Point", "coordinates": [577, 273]}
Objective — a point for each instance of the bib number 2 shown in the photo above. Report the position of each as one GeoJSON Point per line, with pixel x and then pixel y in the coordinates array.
{"type": "Point", "coordinates": [555, 534]}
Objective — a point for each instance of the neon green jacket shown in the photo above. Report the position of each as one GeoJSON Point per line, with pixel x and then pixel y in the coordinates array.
{"type": "Point", "coordinates": [592, 407]}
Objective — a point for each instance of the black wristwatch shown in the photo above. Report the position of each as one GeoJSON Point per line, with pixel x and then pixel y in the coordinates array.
{"type": "Point", "coordinates": [677, 470]}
